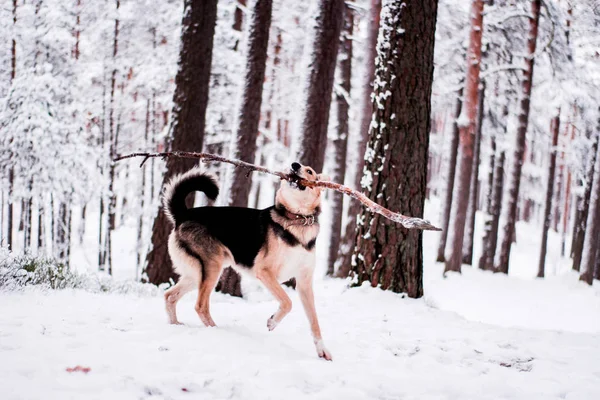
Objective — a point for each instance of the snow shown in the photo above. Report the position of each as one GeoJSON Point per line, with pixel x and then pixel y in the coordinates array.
{"type": "Point", "coordinates": [384, 346]}
{"type": "Point", "coordinates": [473, 336]}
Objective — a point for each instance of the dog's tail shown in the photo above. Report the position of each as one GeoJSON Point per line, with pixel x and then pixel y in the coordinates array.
{"type": "Point", "coordinates": [183, 184]}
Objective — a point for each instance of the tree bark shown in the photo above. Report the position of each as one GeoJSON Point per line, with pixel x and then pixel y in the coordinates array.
{"type": "Point", "coordinates": [450, 179]}
{"type": "Point", "coordinates": [340, 143]}
{"type": "Point", "coordinates": [189, 113]}
{"type": "Point", "coordinates": [549, 189]}
{"type": "Point", "coordinates": [467, 122]}
{"type": "Point", "coordinates": [580, 231]}
{"type": "Point", "coordinates": [517, 161]}
{"type": "Point", "coordinates": [11, 171]}
{"type": "Point", "coordinates": [317, 99]}
{"type": "Point", "coordinates": [490, 238]}
{"type": "Point", "coordinates": [387, 255]}
{"type": "Point", "coordinates": [344, 256]}
{"type": "Point", "coordinates": [472, 210]}
{"type": "Point", "coordinates": [591, 243]}
{"type": "Point", "coordinates": [249, 116]}
{"type": "Point", "coordinates": [113, 140]}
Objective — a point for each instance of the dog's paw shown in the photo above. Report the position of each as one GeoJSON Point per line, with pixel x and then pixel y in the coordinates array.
{"type": "Point", "coordinates": [271, 323]}
{"type": "Point", "coordinates": [322, 351]}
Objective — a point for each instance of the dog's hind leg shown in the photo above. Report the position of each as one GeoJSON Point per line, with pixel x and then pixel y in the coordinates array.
{"type": "Point", "coordinates": [212, 272]}
{"type": "Point", "coordinates": [305, 290]}
{"type": "Point", "coordinates": [285, 304]}
{"type": "Point", "coordinates": [174, 294]}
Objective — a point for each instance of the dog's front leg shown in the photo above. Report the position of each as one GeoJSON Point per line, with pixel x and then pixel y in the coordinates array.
{"type": "Point", "coordinates": [305, 290]}
{"type": "Point", "coordinates": [285, 304]}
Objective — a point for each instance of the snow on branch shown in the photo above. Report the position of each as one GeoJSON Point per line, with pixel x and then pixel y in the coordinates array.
{"type": "Point", "coordinates": [407, 222]}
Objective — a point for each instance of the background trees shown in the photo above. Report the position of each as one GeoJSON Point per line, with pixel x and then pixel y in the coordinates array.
{"type": "Point", "coordinates": [84, 81]}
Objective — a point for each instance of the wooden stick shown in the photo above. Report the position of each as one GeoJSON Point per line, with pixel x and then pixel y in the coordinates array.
{"type": "Point", "coordinates": [407, 222]}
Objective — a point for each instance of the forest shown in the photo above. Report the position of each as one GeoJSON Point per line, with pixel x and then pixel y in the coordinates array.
{"type": "Point", "coordinates": [481, 116]}
{"type": "Point", "coordinates": [495, 142]}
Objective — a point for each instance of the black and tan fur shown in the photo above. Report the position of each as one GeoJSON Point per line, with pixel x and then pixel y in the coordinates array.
{"type": "Point", "coordinates": [272, 245]}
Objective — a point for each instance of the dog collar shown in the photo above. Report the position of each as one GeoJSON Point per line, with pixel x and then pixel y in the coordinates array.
{"type": "Point", "coordinates": [298, 219]}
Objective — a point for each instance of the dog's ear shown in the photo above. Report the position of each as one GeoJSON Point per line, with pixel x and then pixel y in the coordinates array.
{"type": "Point", "coordinates": [323, 177]}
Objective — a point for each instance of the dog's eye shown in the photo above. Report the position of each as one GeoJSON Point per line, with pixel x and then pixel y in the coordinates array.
{"type": "Point", "coordinates": [309, 172]}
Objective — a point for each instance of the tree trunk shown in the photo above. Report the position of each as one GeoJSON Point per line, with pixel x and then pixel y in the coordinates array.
{"type": "Point", "coordinates": [466, 124]}
{"type": "Point", "coordinates": [549, 189]}
{"type": "Point", "coordinates": [386, 254]}
{"type": "Point", "coordinates": [249, 117]}
{"type": "Point", "coordinates": [11, 171]}
{"type": "Point", "coordinates": [514, 182]}
{"type": "Point", "coordinates": [567, 202]}
{"type": "Point", "coordinates": [238, 19]}
{"type": "Point", "coordinates": [591, 243]}
{"type": "Point", "coordinates": [340, 143]}
{"type": "Point", "coordinates": [40, 235]}
{"type": "Point", "coordinates": [472, 210]}
{"type": "Point", "coordinates": [580, 232]}
{"type": "Point", "coordinates": [450, 179]}
{"type": "Point", "coordinates": [317, 99]}
{"type": "Point", "coordinates": [113, 140]}
{"type": "Point", "coordinates": [139, 244]}
{"type": "Point", "coordinates": [189, 112]}
{"type": "Point", "coordinates": [490, 238]}
{"type": "Point", "coordinates": [344, 256]}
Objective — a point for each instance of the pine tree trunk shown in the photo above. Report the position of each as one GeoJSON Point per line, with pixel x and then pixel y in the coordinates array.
{"type": "Point", "coordinates": [344, 256]}
{"type": "Point", "coordinates": [340, 143]}
{"type": "Point", "coordinates": [11, 171]}
{"type": "Point", "coordinates": [386, 254]}
{"type": "Point", "coordinates": [40, 233]}
{"type": "Point", "coordinates": [189, 112]}
{"type": "Point", "coordinates": [591, 243]}
{"type": "Point", "coordinates": [567, 200]}
{"type": "Point", "coordinates": [247, 123]}
{"type": "Point", "coordinates": [472, 210]}
{"type": "Point", "coordinates": [580, 232]}
{"type": "Point", "coordinates": [466, 125]}
{"type": "Point", "coordinates": [549, 189]}
{"type": "Point", "coordinates": [321, 73]}
{"type": "Point", "coordinates": [450, 179]}
{"type": "Point", "coordinates": [490, 238]}
{"type": "Point", "coordinates": [238, 19]}
{"type": "Point", "coordinates": [113, 140]}
{"type": "Point", "coordinates": [143, 192]}
{"type": "Point", "coordinates": [514, 182]}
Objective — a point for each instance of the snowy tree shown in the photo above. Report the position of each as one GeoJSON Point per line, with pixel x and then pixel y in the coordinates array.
{"type": "Point", "coordinates": [395, 170]}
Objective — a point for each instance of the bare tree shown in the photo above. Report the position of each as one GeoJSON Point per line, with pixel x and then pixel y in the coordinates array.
{"type": "Point", "coordinates": [514, 182]}
{"type": "Point", "coordinates": [397, 151]}
{"type": "Point", "coordinates": [340, 143]}
{"type": "Point", "coordinates": [591, 244]}
{"type": "Point", "coordinates": [451, 167]}
{"type": "Point", "coordinates": [467, 122]}
{"type": "Point", "coordinates": [346, 247]}
{"type": "Point", "coordinates": [581, 221]}
{"type": "Point", "coordinates": [11, 171]}
{"type": "Point", "coordinates": [315, 115]}
{"type": "Point", "coordinates": [472, 209]}
{"type": "Point", "coordinates": [555, 127]}
{"type": "Point", "coordinates": [189, 112]}
{"type": "Point", "coordinates": [247, 122]}
{"type": "Point", "coordinates": [113, 139]}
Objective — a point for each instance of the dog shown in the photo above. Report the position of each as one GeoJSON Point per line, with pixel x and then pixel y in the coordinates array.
{"type": "Point", "coordinates": [272, 245]}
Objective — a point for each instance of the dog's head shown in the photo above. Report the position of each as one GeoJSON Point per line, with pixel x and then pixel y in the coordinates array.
{"type": "Point", "coordinates": [298, 198]}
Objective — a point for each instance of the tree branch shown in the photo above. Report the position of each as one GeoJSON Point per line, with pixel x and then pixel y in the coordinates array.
{"type": "Point", "coordinates": [407, 222]}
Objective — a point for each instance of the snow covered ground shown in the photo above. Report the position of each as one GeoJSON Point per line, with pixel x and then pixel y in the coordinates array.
{"type": "Point", "coordinates": [384, 347]}
{"type": "Point", "coordinates": [474, 336]}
